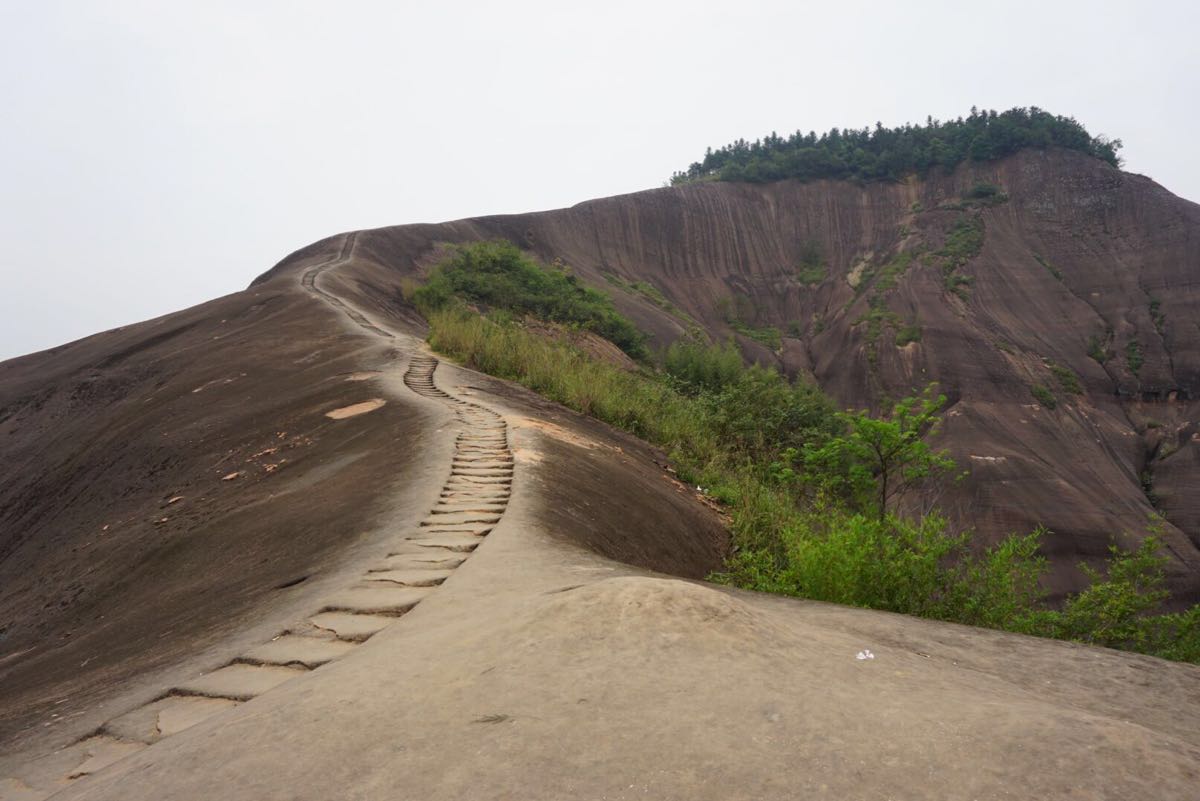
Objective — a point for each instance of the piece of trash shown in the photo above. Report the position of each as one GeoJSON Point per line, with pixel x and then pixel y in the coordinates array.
{"type": "Point", "coordinates": [864, 654]}
{"type": "Point", "coordinates": [231, 476]}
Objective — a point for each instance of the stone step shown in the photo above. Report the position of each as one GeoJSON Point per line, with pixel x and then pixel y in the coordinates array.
{"type": "Point", "coordinates": [351, 627]}
{"type": "Point", "coordinates": [478, 529]}
{"type": "Point", "coordinates": [393, 601]}
{"type": "Point", "coordinates": [309, 652]}
{"type": "Point", "coordinates": [460, 518]}
{"type": "Point", "coordinates": [166, 716]}
{"type": "Point", "coordinates": [410, 578]}
{"type": "Point", "coordinates": [238, 682]}
{"type": "Point", "coordinates": [101, 751]}
{"type": "Point", "coordinates": [420, 560]}
{"type": "Point", "coordinates": [460, 543]}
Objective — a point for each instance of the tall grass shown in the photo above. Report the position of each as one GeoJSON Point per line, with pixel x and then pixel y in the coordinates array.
{"type": "Point", "coordinates": [647, 408]}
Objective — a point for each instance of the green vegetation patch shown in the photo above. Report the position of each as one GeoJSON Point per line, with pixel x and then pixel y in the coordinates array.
{"type": "Point", "coordinates": [882, 280]}
{"type": "Point", "coordinates": [877, 318]}
{"type": "Point", "coordinates": [651, 293]}
{"type": "Point", "coordinates": [1133, 356]}
{"type": "Point", "coordinates": [1097, 347]}
{"type": "Point", "coordinates": [1043, 396]}
{"type": "Point", "coordinates": [737, 310]}
{"type": "Point", "coordinates": [769, 336]}
{"type": "Point", "coordinates": [890, 273]}
{"type": "Point", "coordinates": [1157, 315]}
{"type": "Point", "coordinates": [890, 154]}
{"type": "Point", "coordinates": [909, 332]}
{"type": "Point", "coordinates": [1050, 268]}
{"type": "Point", "coordinates": [811, 270]}
{"type": "Point", "coordinates": [964, 241]}
{"type": "Point", "coordinates": [498, 275]}
{"type": "Point", "coordinates": [1067, 380]}
{"type": "Point", "coordinates": [985, 194]}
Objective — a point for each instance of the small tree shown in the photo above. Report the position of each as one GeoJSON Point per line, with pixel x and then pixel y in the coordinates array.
{"type": "Point", "coordinates": [879, 459]}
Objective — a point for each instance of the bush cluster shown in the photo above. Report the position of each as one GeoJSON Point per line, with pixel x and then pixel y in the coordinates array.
{"type": "Point", "coordinates": [497, 275]}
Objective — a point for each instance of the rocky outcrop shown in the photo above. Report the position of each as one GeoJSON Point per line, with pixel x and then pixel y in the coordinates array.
{"type": "Point", "coordinates": [1087, 284]}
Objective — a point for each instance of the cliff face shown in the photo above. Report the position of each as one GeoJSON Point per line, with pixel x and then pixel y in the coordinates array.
{"type": "Point", "coordinates": [1083, 271]}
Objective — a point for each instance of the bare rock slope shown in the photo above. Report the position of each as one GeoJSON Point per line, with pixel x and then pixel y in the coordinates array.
{"type": "Point", "coordinates": [270, 547]}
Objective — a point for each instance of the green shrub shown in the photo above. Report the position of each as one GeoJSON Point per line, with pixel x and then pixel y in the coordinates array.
{"type": "Point", "coordinates": [1111, 611]}
{"type": "Point", "coordinates": [703, 368]}
{"type": "Point", "coordinates": [736, 310]}
{"type": "Point", "coordinates": [910, 332]}
{"type": "Point", "coordinates": [964, 241]}
{"type": "Point", "coordinates": [911, 567]}
{"type": "Point", "coordinates": [498, 275]}
{"type": "Point", "coordinates": [1118, 609]}
{"type": "Point", "coordinates": [761, 414]}
{"type": "Point", "coordinates": [811, 270]}
{"type": "Point", "coordinates": [1097, 349]}
{"type": "Point", "coordinates": [1067, 380]}
{"type": "Point", "coordinates": [1043, 396]}
{"type": "Point", "coordinates": [1133, 356]}
{"type": "Point", "coordinates": [877, 459]}
{"type": "Point", "coordinates": [889, 274]}
{"type": "Point", "coordinates": [1156, 314]}
{"type": "Point", "coordinates": [985, 194]}
{"type": "Point", "coordinates": [811, 275]}
{"type": "Point", "coordinates": [769, 336]}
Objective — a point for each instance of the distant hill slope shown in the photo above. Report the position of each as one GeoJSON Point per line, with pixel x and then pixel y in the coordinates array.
{"type": "Point", "coordinates": [1046, 278]}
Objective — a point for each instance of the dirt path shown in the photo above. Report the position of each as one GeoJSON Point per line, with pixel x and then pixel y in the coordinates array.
{"type": "Point", "coordinates": [472, 501]}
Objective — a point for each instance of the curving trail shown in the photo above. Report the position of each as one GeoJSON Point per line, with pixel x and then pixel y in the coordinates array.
{"type": "Point", "coordinates": [472, 501]}
{"type": "Point", "coordinates": [309, 281]}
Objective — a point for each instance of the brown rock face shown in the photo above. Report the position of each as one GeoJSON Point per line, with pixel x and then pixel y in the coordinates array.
{"type": "Point", "coordinates": [1084, 271]}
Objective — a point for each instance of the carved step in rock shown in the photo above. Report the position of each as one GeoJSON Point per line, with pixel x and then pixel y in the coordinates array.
{"type": "Point", "coordinates": [410, 578]}
{"type": "Point", "coordinates": [292, 650]}
{"type": "Point", "coordinates": [351, 627]}
{"type": "Point", "coordinates": [393, 601]}
{"type": "Point", "coordinates": [420, 559]}
{"type": "Point", "coordinates": [461, 518]}
{"type": "Point", "coordinates": [461, 543]}
{"type": "Point", "coordinates": [460, 507]}
{"type": "Point", "coordinates": [100, 752]}
{"type": "Point", "coordinates": [166, 716]}
{"type": "Point", "coordinates": [238, 682]}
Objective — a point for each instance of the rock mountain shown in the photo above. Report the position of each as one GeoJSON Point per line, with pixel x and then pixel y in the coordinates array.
{"type": "Point", "coordinates": [270, 547]}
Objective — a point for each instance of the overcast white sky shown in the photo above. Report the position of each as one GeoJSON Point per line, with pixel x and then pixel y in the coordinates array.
{"type": "Point", "coordinates": [158, 154]}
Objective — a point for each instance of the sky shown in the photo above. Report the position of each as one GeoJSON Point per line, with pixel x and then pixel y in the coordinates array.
{"type": "Point", "coordinates": [156, 155]}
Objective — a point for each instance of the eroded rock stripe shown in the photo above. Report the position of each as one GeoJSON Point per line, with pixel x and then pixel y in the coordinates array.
{"type": "Point", "coordinates": [471, 502]}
